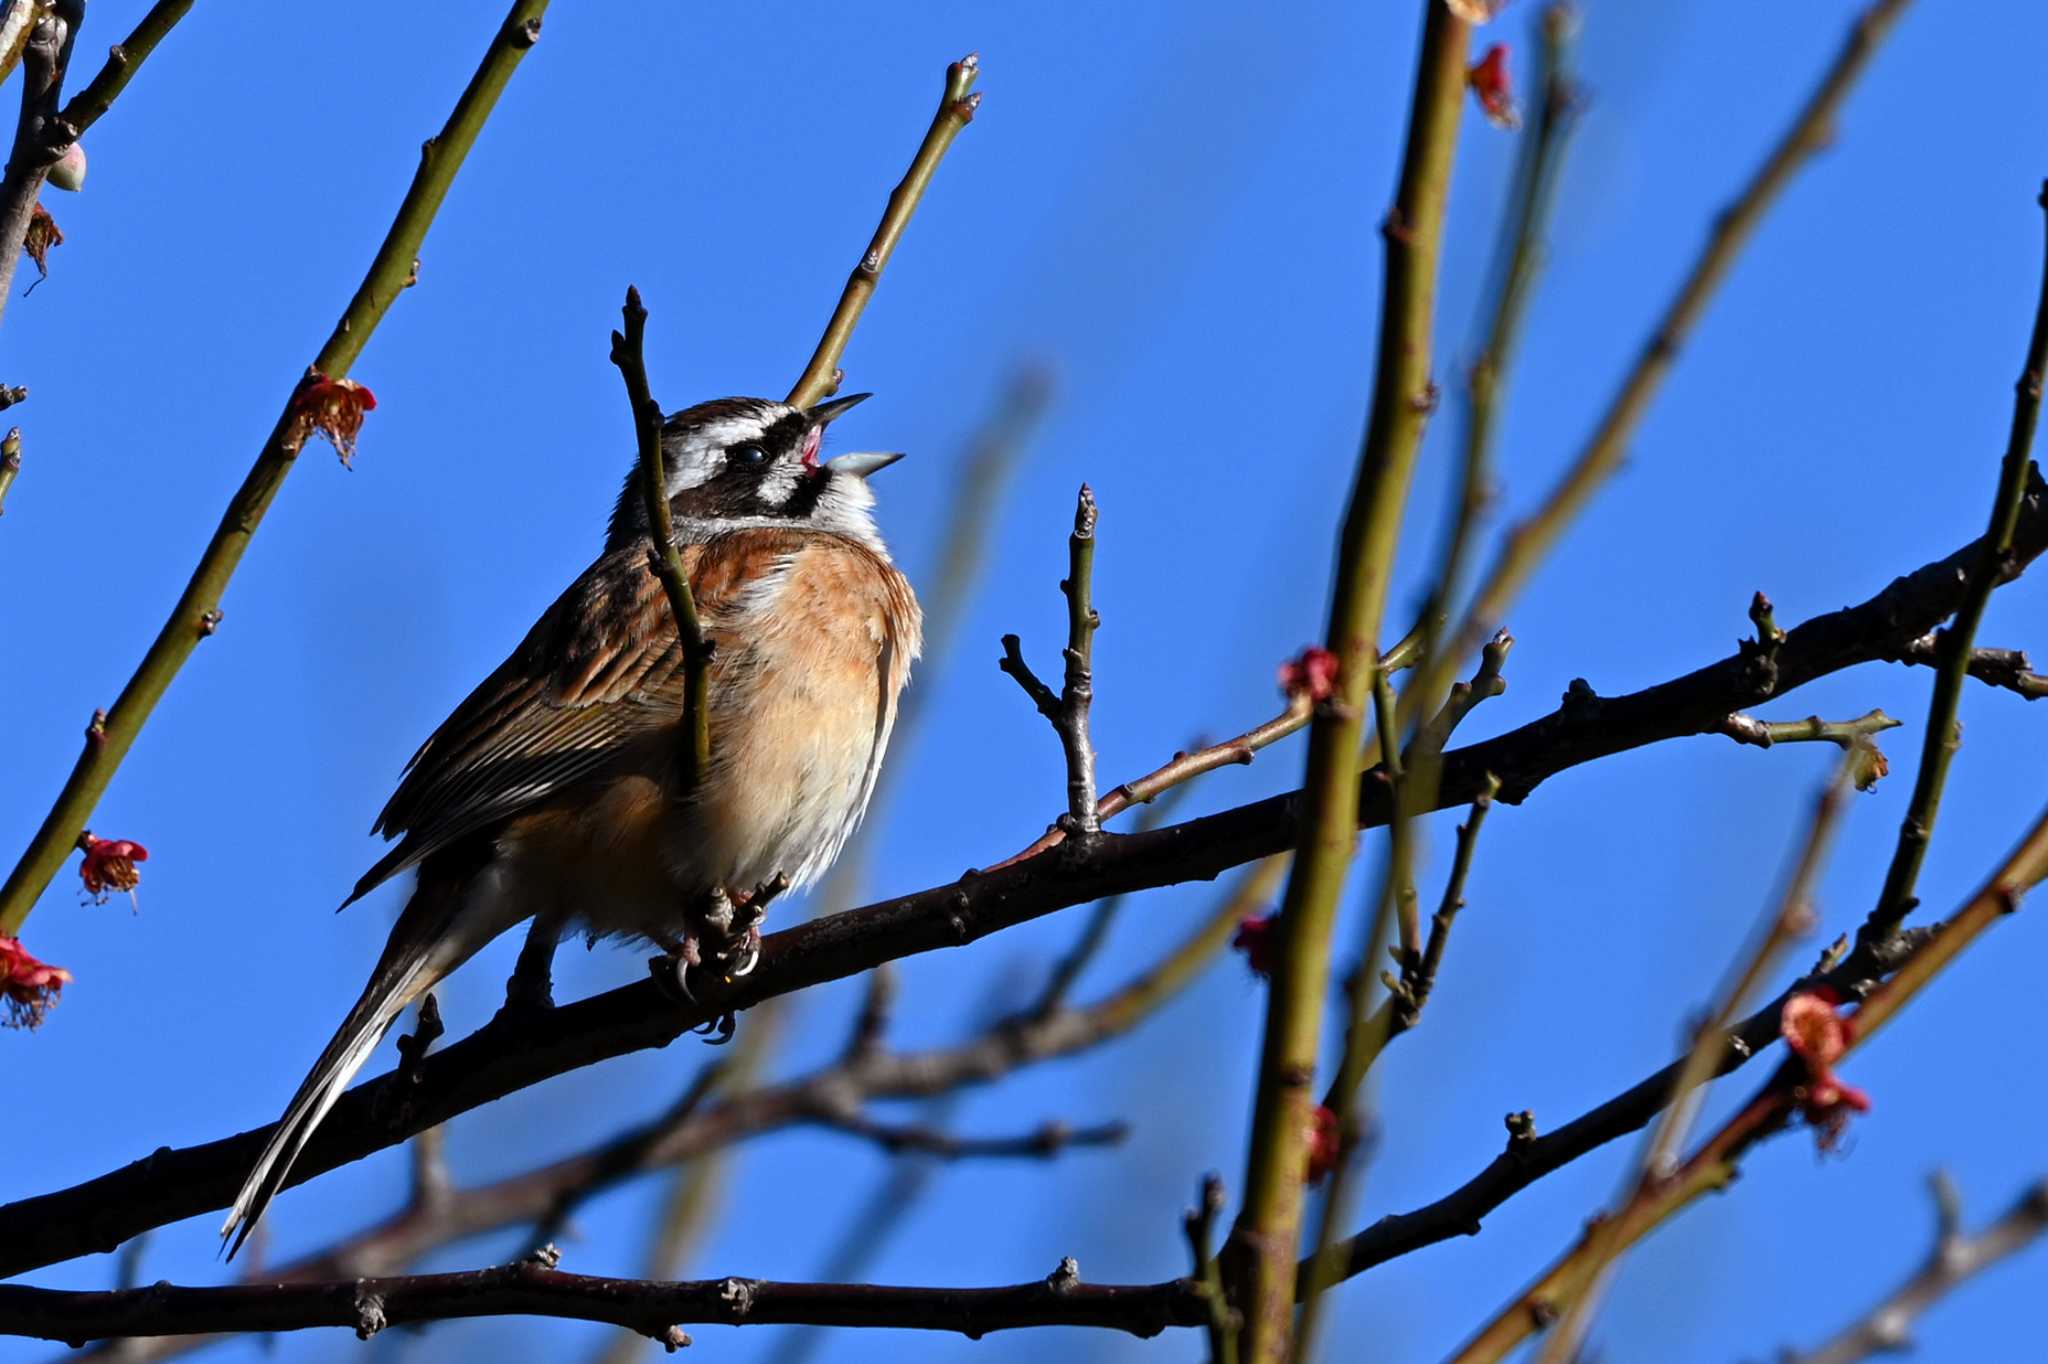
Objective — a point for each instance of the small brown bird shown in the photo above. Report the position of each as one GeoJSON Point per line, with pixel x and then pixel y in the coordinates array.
{"type": "Point", "coordinates": [555, 792]}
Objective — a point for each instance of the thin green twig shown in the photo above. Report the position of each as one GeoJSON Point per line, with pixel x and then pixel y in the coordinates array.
{"type": "Point", "coordinates": [390, 272]}
{"type": "Point", "coordinates": [820, 378]}
{"type": "Point", "coordinates": [1956, 643]}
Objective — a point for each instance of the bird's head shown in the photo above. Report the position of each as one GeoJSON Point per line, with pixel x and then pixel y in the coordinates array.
{"type": "Point", "coordinates": [734, 463]}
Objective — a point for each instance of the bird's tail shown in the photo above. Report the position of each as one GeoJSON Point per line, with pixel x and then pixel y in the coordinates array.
{"type": "Point", "coordinates": [422, 950]}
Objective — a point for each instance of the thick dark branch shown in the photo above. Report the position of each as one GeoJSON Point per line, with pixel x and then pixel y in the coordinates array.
{"type": "Point", "coordinates": [652, 1308]}
{"type": "Point", "coordinates": [495, 1061]}
{"type": "Point", "coordinates": [37, 141]}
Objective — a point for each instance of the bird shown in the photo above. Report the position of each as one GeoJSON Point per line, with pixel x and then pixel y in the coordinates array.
{"type": "Point", "coordinates": [557, 791]}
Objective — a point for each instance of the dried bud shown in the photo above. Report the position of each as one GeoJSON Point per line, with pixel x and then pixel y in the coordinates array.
{"type": "Point", "coordinates": [1313, 674]}
{"type": "Point", "coordinates": [1819, 1037]}
{"type": "Point", "coordinates": [1494, 87]}
{"type": "Point", "coordinates": [41, 236]}
{"type": "Point", "coordinates": [69, 172]}
{"type": "Point", "coordinates": [27, 987]}
{"type": "Point", "coordinates": [332, 408]}
{"type": "Point", "coordinates": [1325, 1140]}
{"type": "Point", "coordinates": [109, 865]}
{"type": "Point", "coordinates": [1256, 938]}
{"type": "Point", "coordinates": [1867, 764]}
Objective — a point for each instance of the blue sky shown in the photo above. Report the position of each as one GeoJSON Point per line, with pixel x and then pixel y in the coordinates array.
{"type": "Point", "coordinates": [1173, 207]}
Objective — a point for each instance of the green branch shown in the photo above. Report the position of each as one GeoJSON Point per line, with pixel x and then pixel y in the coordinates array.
{"type": "Point", "coordinates": [1954, 645]}
{"type": "Point", "coordinates": [1263, 1243]}
{"type": "Point", "coordinates": [820, 378]}
{"type": "Point", "coordinates": [1529, 543]}
{"type": "Point", "coordinates": [389, 273]}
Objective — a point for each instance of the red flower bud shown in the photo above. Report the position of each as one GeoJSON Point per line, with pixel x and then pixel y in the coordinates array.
{"type": "Point", "coordinates": [1324, 1142]}
{"type": "Point", "coordinates": [28, 988]}
{"type": "Point", "coordinates": [1494, 86]}
{"type": "Point", "coordinates": [1819, 1037]}
{"type": "Point", "coordinates": [1313, 674]}
{"type": "Point", "coordinates": [332, 408]}
{"type": "Point", "coordinates": [1255, 938]}
{"type": "Point", "coordinates": [110, 865]}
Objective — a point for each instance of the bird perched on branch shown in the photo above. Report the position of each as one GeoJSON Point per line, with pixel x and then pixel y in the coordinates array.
{"type": "Point", "coordinates": [558, 791]}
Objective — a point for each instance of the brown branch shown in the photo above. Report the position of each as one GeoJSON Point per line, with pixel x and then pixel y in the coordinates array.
{"type": "Point", "coordinates": [628, 353]}
{"type": "Point", "coordinates": [2007, 668]}
{"type": "Point", "coordinates": [691, 1133]}
{"type": "Point", "coordinates": [1049, 1139]}
{"type": "Point", "coordinates": [1791, 917]}
{"type": "Point", "coordinates": [1954, 1260]}
{"type": "Point", "coordinates": [655, 1309]}
{"type": "Point", "coordinates": [820, 378]}
{"type": "Point", "coordinates": [497, 1060]}
{"type": "Point", "coordinates": [37, 140]}
{"type": "Point", "coordinates": [1067, 710]}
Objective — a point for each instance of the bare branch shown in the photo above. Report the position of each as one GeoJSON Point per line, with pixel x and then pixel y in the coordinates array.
{"type": "Point", "coordinates": [1067, 711]}
{"type": "Point", "coordinates": [1042, 1143]}
{"type": "Point", "coordinates": [1954, 1260]}
{"type": "Point", "coordinates": [820, 378]}
{"type": "Point", "coordinates": [2007, 668]}
{"type": "Point", "coordinates": [628, 354]}
{"type": "Point", "coordinates": [439, 160]}
{"type": "Point", "coordinates": [178, 1183]}
{"type": "Point", "coordinates": [1994, 564]}
{"type": "Point", "coordinates": [653, 1308]}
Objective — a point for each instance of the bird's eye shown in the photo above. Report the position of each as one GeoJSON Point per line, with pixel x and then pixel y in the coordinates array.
{"type": "Point", "coordinates": [748, 456]}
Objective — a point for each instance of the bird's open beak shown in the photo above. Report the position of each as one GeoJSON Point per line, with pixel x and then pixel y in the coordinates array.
{"type": "Point", "coordinates": [862, 463]}
{"type": "Point", "coordinates": [823, 414]}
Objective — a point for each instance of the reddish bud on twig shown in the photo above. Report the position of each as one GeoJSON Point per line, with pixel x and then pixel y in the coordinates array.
{"type": "Point", "coordinates": [1324, 1143]}
{"type": "Point", "coordinates": [28, 987]}
{"type": "Point", "coordinates": [42, 234]}
{"type": "Point", "coordinates": [110, 865]}
{"type": "Point", "coordinates": [332, 408]}
{"type": "Point", "coordinates": [1819, 1036]}
{"type": "Point", "coordinates": [1494, 86]}
{"type": "Point", "coordinates": [1255, 938]}
{"type": "Point", "coordinates": [1313, 674]}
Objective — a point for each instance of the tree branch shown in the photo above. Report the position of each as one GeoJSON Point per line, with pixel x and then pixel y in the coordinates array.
{"type": "Point", "coordinates": [1264, 1240]}
{"type": "Point", "coordinates": [53, 26]}
{"type": "Point", "coordinates": [1717, 1162]}
{"type": "Point", "coordinates": [820, 378]}
{"type": "Point", "coordinates": [1068, 710]}
{"type": "Point", "coordinates": [2010, 669]}
{"type": "Point", "coordinates": [1954, 1260]}
{"type": "Point", "coordinates": [655, 1309]}
{"type": "Point", "coordinates": [389, 273]}
{"type": "Point", "coordinates": [1528, 543]}
{"type": "Point", "coordinates": [628, 353]}
{"type": "Point", "coordinates": [495, 1061]}
{"type": "Point", "coordinates": [1993, 565]}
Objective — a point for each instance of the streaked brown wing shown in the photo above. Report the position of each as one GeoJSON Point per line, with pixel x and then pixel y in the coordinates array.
{"type": "Point", "coordinates": [602, 666]}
